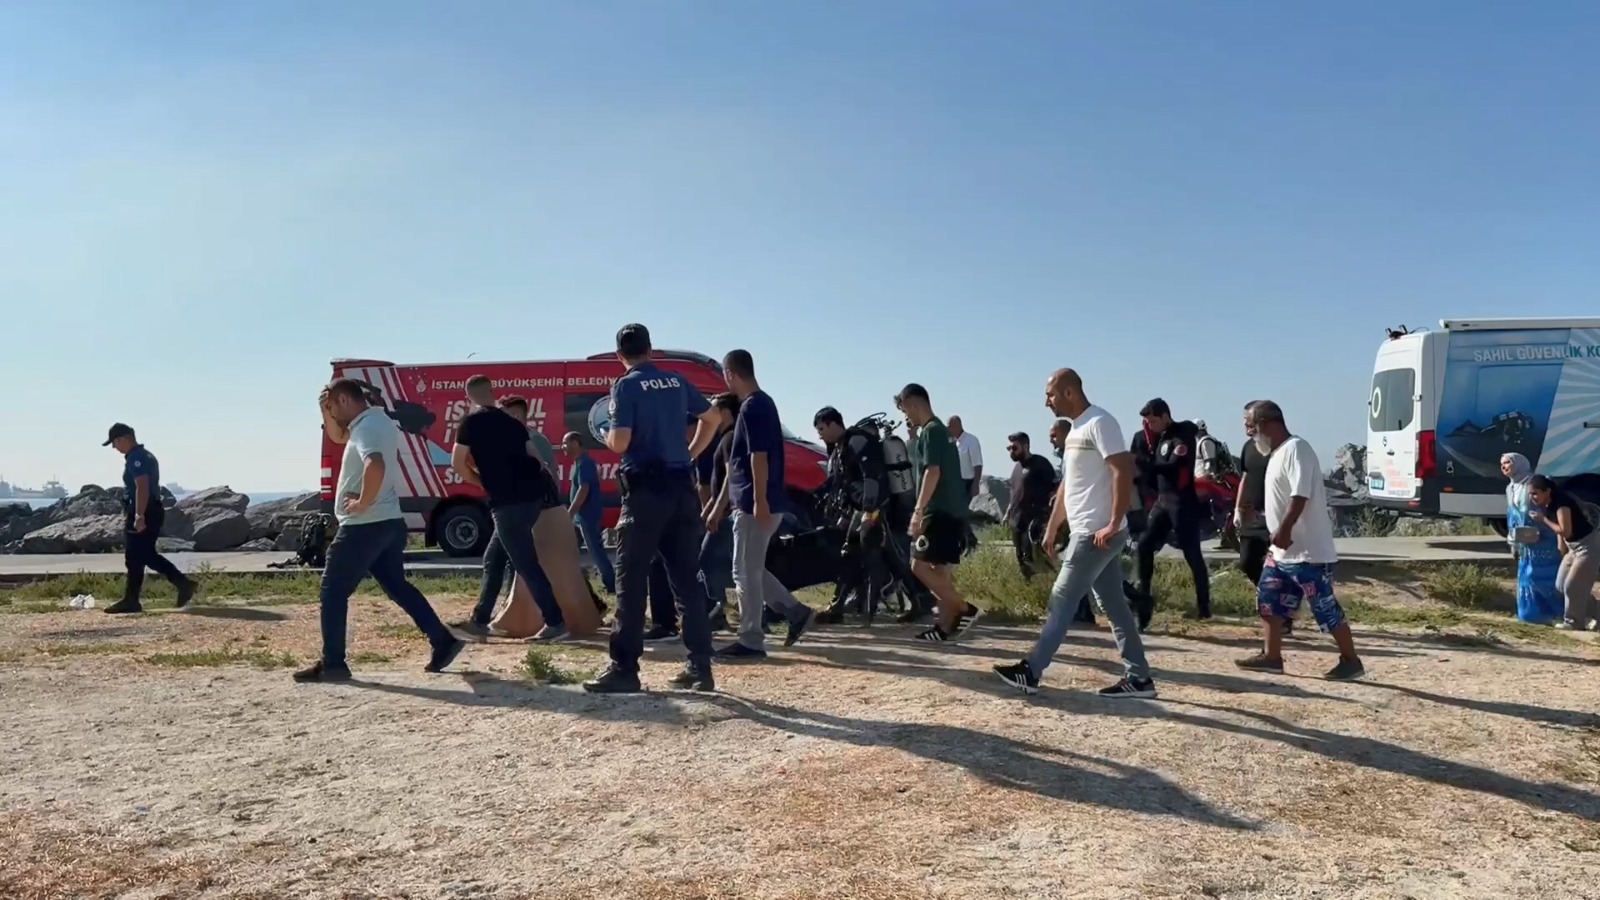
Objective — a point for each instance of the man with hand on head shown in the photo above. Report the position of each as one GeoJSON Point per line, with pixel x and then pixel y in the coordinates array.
{"type": "Point", "coordinates": [371, 539]}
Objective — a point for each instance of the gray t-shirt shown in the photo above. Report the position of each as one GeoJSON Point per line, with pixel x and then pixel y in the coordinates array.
{"type": "Point", "coordinates": [371, 434]}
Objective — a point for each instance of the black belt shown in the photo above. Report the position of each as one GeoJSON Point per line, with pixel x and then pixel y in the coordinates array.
{"type": "Point", "coordinates": [653, 476]}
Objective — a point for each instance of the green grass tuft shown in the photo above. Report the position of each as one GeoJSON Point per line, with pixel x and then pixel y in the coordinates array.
{"type": "Point", "coordinates": [542, 666]}
{"type": "Point", "coordinates": [51, 594]}
{"type": "Point", "coordinates": [1467, 585]}
{"type": "Point", "coordinates": [261, 659]}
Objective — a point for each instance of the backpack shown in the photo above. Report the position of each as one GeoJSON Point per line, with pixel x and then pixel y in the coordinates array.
{"type": "Point", "coordinates": [314, 539]}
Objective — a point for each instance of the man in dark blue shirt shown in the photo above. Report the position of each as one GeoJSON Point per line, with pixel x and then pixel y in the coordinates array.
{"type": "Point", "coordinates": [754, 494]}
{"type": "Point", "coordinates": [143, 517]}
{"type": "Point", "coordinates": [660, 510]}
{"type": "Point", "coordinates": [587, 505]}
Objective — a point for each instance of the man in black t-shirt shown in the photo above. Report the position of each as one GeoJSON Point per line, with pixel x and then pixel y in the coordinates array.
{"type": "Point", "coordinates": [1250, 509]}
{"type": "Point", "coordinates": [1033, 479]}
{"type": "Point", "coordinates": [494, 452]}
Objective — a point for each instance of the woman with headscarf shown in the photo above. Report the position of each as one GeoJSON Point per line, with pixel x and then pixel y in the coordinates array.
{"type": "Point", "coordinates": [1538, 601]}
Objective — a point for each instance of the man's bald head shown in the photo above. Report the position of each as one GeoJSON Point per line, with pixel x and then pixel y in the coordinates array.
{"type": "Point", "coordinates": [954, 426]}
{"type": "Point", "coordinates": [1063, 393]}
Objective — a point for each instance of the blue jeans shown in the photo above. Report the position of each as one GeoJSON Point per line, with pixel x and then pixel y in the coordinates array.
{"type": "Point", "coordinates": [1086, 568]}
{"type": "Point", "coordinates": [512, 542]}
{"type": "Point", "coordinates": [589, 528]}
{"type": "Point", "coordinates": [377, 549]}
{"type": "Point", "coordinates": [716, 563]}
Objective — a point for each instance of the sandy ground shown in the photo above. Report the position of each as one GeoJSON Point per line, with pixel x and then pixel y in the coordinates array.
{"type": "Point", "coordinates": [856, 765]}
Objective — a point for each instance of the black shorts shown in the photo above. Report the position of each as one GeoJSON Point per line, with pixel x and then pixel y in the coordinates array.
{"type": "Point", "coordinates": [942, 541]}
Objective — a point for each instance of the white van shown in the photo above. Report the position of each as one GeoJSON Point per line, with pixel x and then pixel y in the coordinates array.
{"type": "Point", "coordinates": [1447, 404]}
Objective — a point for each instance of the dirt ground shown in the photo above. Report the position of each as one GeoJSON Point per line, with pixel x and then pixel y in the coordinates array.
{"type": "Point", "coordinates": [856, 765]}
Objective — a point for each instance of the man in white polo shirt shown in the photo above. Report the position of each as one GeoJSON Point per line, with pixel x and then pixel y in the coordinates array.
{"type": "Point", "coordinates": [1096, 490]}
{"type": "Point", "coordinates": [1301, 556]}
{"type": "Point", "coordinates": [971, 455]}
{"type": "Point", "coordinates": [371, 539]}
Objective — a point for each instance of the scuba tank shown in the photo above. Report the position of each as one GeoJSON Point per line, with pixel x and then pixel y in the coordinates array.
{"type": "Point", "coordinates": [896, 459]}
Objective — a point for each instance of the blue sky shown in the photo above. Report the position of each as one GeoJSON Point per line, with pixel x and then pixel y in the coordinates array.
{"type": "Point", "coordinates": [202, 203]}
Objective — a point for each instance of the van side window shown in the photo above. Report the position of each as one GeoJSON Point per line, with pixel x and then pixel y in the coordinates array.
{"type": "Point", "coordinates": [1392, 405]}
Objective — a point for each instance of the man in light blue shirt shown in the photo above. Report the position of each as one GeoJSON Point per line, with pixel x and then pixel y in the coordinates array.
{"type": "Point", "coordinates": [371, 539]}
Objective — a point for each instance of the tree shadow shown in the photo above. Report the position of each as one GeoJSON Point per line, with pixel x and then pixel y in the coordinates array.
{"type": "Point", "coordinates": [1468, 644]}
{"type": "Point", "coordinates": [1044, 771]}
{"type": "Point", "coordinates": [236, 613]}
{"type": "Point", "coordinates": [1374, 754]}
{"type": "Point", "coordinates": [1526, 711]}
{"type": "Point", "coordinates": [884, 658]}
{"type": "Point", "coordinates": [492, 691]}
{"type": "Point", "coordinates": [1301, 640]}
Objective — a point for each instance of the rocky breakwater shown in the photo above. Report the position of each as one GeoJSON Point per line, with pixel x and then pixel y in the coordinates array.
{"type": "Point", "coordinates": [215, 519]}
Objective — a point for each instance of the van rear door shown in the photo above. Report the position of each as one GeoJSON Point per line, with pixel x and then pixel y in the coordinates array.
{"type": "Point", "coordinates": [1394, 420]}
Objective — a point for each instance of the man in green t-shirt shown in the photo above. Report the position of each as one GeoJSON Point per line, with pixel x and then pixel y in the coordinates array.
{"type": "Point", "coordinates": [939, 521]}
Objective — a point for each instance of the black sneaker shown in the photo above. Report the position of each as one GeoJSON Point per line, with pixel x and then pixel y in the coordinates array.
{"type": "Point", "coordinates": [1346, 670]}
{"type": "Point", "coordinates": [471, 631]}
{"type": "Point", "coordinates": [660, 634]}
{"type": "Point", "coordinates": [124, 606]}
{"type": "Point", "coordinates": [1020, 676]}
{"type": "Point", "coordinates": [186, 590]}
{"type": "Point", "coordinates": [318, 672]}
{"type": "Point", "coordinates": [1133, 690]}
{"type": "Point", "coordinates": [934, 635]}
{"type": "Point", "coordinates": [692, 678]}
{"type": "Point", "coordinates": [737, 652]}
{"type": "Point", "coordinates": [1271, 665]}
{"type": "Point", "coordinates": [796, 629]}
{"type": "Point", "coordinates": [444, 655]}
{"type": "Point", "coordinates": [719, 623]}
{"type": "Point", "coordinates": [614, 681]}
{"type": "Point", "coordinates": [965, 623]}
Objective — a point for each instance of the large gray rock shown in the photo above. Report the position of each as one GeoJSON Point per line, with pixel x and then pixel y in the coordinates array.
{"type": "Point", "coordinates": [288, 540]}
{"type": "Point", "coordinates": [178, 525]}
{"type": "Point", "coordinates": [223, 497]}
{"type": "Point", "coordinates": [218, 528]}
{"type": "Point", "coordinates": [92, 534]}
{"type": "Point", "coordinates": [258, 545]}
{"type": "Point", "coordinates": [268, 520]}
{"type": "Point", "coordinates": [174, 545]}
{"type": "Point", "coordinates": [994, 495]}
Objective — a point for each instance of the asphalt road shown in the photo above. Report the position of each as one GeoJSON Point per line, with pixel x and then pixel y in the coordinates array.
{"type": "Point", "coordinates": [24, 567]}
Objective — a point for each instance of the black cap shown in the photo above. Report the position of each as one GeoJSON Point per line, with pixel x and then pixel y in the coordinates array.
{"type": "Point", "coordinates": [911, 390]}
{"type": "Point", "coordinates": [118, 430]}
{"type": "Point", "coordinates": [633, 340]}
{"type": "Point", "coordinates": [1156, 407]}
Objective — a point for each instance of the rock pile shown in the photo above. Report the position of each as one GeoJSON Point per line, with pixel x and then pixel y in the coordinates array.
{"type": "Point", "coordinates": [218, 518]}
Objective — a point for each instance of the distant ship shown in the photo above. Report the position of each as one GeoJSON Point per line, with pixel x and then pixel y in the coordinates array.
{"type": "Point", "coordinates": [52, 490]}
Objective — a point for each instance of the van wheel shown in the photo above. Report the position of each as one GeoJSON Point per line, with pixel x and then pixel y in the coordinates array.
{"type": "Point", "coordinates": [1499, 526]}
{"type": "Point", "coordinates": [463, 530]}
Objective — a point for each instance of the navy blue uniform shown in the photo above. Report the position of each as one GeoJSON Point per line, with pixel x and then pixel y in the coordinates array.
{"type": "Point", "coordinates": [660, 510]}
{"type": "Point", "coordinates": [139, 547]}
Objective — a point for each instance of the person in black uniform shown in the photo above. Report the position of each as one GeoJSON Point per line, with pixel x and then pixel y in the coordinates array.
{"type": "Point", "coordinates": [660, 511]}
{"type": "Point", "coordinates": [143, 516]}
{"type": "Point", "coordinates": [855, 498]}
{"type": "Point", "coordinates": [1164, 457]}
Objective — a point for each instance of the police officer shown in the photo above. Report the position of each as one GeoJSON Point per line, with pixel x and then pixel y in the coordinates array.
{"type": "Point", "coordinates": [660, 511]}
{"type": "Point", "coordinates": [143, 516]}
{"type": "Point", "coordinates": [856, 493]}
{"type": "Point", "coordinates": [1164, 458]}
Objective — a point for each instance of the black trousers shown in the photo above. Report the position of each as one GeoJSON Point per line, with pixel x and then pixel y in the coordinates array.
{"type": "Point", "coordinates": [1253, 555]}
{"type": "Point", "coordinates": [1184, 522]}
{"type": "Point", "coordinates": [660, 516]}
{"type": "Point", "coordinates": [1026, 533]}
{"type": "Point", "coordinates": [139, 551]}
{"type": "Point", "coordinates": [663, 602]}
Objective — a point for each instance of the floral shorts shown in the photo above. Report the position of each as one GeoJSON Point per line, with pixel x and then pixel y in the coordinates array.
{"type": "Point", "coordinates": [1284, 587]}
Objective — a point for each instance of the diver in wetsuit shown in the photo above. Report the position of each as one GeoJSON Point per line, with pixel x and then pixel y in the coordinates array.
{"type": "Point", "coordinates": [1164, 461]}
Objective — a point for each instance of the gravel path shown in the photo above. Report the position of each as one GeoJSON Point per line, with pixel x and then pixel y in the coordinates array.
{"type": "Point", "coordinates": [857, 765]}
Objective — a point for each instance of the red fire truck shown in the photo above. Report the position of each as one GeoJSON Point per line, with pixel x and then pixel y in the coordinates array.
{"type": "Point", "coordinates": [428, 402]}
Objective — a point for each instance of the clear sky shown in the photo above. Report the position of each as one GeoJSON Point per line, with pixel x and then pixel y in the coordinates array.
{"type": "Point", "coordinates": [201, 203]}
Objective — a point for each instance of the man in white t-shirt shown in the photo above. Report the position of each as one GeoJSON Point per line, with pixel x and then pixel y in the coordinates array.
{"type": "Point", "coordinates": [1096, 490]}
{"type": "Point", "coordinates": [1301, 557]}
{"type": "Point", "coordinates": [971, 456]}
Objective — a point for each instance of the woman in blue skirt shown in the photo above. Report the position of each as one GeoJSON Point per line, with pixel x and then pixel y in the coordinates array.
{"type": "Point", "coordinates": [1538, 601]}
